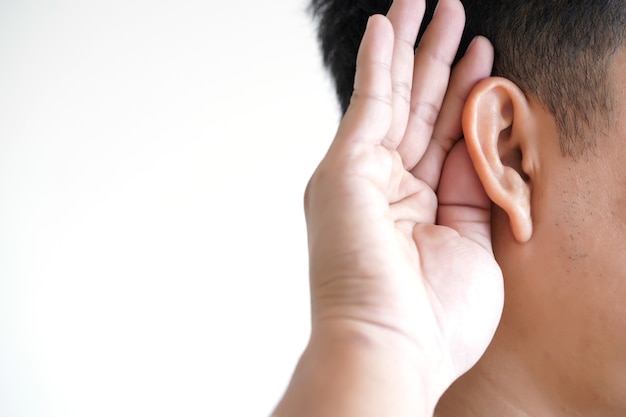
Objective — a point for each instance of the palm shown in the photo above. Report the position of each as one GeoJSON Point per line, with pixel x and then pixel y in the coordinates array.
{"type": "Point", "coordinates": [386, 249]}
{"type": "Point", "coordinates": [424, 276]}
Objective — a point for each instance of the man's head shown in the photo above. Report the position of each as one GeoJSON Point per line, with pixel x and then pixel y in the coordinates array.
{"type": "Point", "coordinates": [546, 135]}
{"type": "Point", "coordinates": [558, 51]}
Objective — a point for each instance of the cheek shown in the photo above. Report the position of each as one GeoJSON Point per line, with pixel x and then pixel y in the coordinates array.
{"type": "Point", "coordinates": [586, 219]}
{"type": "Point", "coordinates": [565, 289]}
{"type": "Point", "coordinates": [578, 258]}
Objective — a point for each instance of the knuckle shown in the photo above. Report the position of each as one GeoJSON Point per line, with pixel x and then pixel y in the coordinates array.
{"type": "Point", "coordinates": [372, 66]}
{"type": "Point", "coordinates": [442, 58]}
{"type": "Point", "coordinates": [385, 66]}
{"type": "Point", "coordinates": [358, 95]}
{"type": "Point", "coordinates": [425, 111]}
{"type": "Point", "coordinates": [402, 89]}
{"type": "Point", "coordinates": [408, 43]}
{"type": "Point", "coordinates": [444, 142]}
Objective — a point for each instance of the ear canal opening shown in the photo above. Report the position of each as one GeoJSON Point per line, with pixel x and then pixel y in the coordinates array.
{"type": "Point", "coordinates": [510, 154]}
{"type": "Point", "coordinates": [513, 160]}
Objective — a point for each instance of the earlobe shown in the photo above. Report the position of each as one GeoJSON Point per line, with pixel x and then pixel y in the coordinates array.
{"type": "Point", "coordinates": [499, 140]}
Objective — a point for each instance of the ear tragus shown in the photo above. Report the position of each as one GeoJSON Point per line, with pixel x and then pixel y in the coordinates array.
{"type": "Point", "coordinates": [497, 139]}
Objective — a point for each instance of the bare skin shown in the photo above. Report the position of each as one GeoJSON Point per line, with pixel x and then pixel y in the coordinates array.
{"type": "Point", "coordinates": [559, 239]}
{"type": "Point", "coordinates": [406, 294]}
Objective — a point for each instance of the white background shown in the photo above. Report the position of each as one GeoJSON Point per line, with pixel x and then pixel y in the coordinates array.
{"type": "Point", "coordinates": [153, 158]}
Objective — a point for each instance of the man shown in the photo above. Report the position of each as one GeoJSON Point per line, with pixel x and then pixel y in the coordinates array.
{"type": "Point", "coordinates": [406, 293]}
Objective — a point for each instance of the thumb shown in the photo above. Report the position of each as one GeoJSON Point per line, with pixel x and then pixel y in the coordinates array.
{"type": "Point", "coordinates": [463, 204]}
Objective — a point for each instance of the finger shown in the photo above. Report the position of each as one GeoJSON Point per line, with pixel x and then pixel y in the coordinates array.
{"type": "Point", "coordinates": [406, 17]}
{"type": "Point", "coordinates": [463, 203]}
{"type": "Point", "coordinates": [473, 67]}
{"type": "Point", "coordinates": [433, 60]}
{"type": "Point", "coordinates": [368, 117]}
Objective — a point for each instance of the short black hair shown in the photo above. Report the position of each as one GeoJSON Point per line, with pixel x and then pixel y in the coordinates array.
{"type": "Point", "coordinates": [558, 51]}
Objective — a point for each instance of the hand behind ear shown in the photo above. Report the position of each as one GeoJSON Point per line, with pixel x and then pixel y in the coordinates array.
{"type": "Point", "coordinates": [465, 277]}
{"type": "Point", "coordinates": [379, 259]}
{"type": "Point", "coordinates": [421, 296]}
{"type": "Point", "coordinates": [463, 203]}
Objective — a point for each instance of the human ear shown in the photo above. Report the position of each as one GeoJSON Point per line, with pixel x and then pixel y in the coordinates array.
{"type": "Point", "coordinates": [498, 129]}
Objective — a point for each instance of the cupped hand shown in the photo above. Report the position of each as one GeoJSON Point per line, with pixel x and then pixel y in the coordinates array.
{"type": "Point", "coordinates": [398, 222]}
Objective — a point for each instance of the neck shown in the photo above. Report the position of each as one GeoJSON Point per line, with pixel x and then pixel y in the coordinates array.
{"type": "Point", "coordinates": [517, 382]}
{"type": "Point", "coordinates": [490, 389]}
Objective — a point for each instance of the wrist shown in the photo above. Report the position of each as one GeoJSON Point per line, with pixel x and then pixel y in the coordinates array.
{"type": "Point", "coordinates": [346, 371]}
